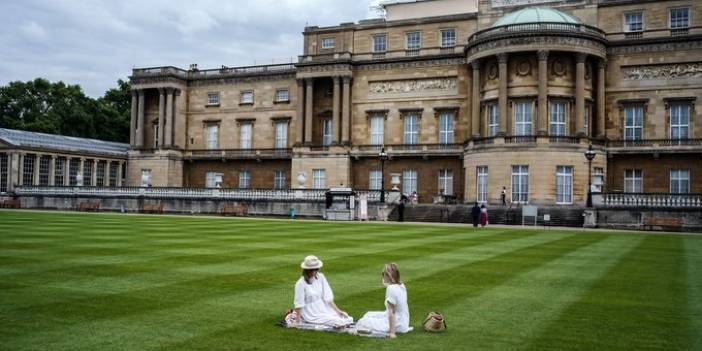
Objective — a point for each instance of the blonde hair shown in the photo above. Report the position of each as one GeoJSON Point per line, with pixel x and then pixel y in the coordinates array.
{"type": "Point", "coordinates": [391, 273]}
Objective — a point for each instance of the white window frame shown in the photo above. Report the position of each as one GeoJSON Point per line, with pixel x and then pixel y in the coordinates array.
{"type": "Point", "coordinates": [148, 175]}
{"type": "Point", "coordinates": [412, 43]}
{"type": "Point", "coordinates": [212, 99]}
{"type": "Point", "coordinates": [213, 179]}
{"type": "Point", "coordinates": [520, 184]}
{"type": "Point", "coordinates": [377, 130]}
{"type": "Point", "coordinates": [677, 177]}
{"type": "Point", "coordinates": [586, 123]}
{"type": "Point", "coordinates": [564, 185]}
{"type": "Point", "coordinates": [445, 182]}
{"type": "Point", "coordinates": [598, 179]}
{"type": "Point", "coordinates": [481, 183]}
{"type": "Point", "coordinates": [329, 43]}
{"type": "Point", "coordinates": [319, 179]}
{"type": "Point", "coordinates": [246, 136]}
{"type": "Point", "coordinates": [493, 115]}
{"type": "Point", "coordinates": [281, 134]}
{"type": "Point", "coordinates": [627, 26]}
{"type": "Point", "coordinates": [670, 18]}
{"type": "Point", "coordinates": [447, 121]}
{"type": "Point", "coordinates": [633, 181]}
{"type": "Point", "coordinates": [634, 131]}
{"type": "Point", "coordinates": [411, 128]}
{"type": "Point", "coordinates": [410, 182]}
{"type": "Point", "coordinates": [244, 179]}
{"type": "Point", "coordinates": [282, 95]}
{"type": "Point", "coordinates": [375, 179]}
{"type": "Point", "coordinates": [212, 136]}
{"type": "Point", "coordinates": [327, 131]}
{"type": "Point", "coordinates": [678, 112]}
{"type": "Point", "coordinates": [279, 179]}
{"type": "Point", "coordinates": [246, 97]}
{"type": "Point", "coordinates": [557, 124]}
{"type": "Point", "coordinates": [447, 42]}
{"type": "Point", "coordinates": [377, 46]}
{"type": "Point", "coordinates": [523, 118]}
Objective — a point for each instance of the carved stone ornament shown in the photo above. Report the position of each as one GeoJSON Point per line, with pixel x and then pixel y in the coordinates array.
{"type": "Point", "coordinates": [414, 86]}
{"type": "Point", "coordinates": [492, 71]}
{"type": "Point", "coordinates": [559, 68]}
{"type": "Point", "coordinates": [510, 3]}
{"type": "Point", "coordinates": [668, 71]}
{"type": "Point", "coordinates": [524, 68]}
{"type": "Point", "coordinates": [537, 42]}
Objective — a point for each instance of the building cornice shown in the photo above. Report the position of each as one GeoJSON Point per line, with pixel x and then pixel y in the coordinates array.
{"type": "Point", "coordinates": [381, 23]}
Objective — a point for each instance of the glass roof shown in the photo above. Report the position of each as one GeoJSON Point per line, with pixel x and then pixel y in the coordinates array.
{"type": "Point", "coordinates": [62, 143]}
{"type": "Point", "coordinates": [535, 15]}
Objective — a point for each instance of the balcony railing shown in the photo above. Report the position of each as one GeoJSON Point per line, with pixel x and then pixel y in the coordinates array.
{"type": "Point", "coordinates": [649, 200]}
{"type": "Point", "coordinates": [520, 139]}
{"type": "Point", "coordinates": [655, 143]}
{"type": "Point", "coordinates": [452, 148]}
{"type": "Point", "coordinates": [213, 73]}
{"type": "Point", "coordinates": [535, 28]}
{"type": "Point", "coordinates": [236, 154]}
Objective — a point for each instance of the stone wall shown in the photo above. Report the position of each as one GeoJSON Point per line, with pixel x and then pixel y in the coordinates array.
{"type": "Point", "coordinates": [642, 219]}
{"type": "Point", "coordinates": [656, 171]}
{"type": "Point", "coordinates": [262, 172]}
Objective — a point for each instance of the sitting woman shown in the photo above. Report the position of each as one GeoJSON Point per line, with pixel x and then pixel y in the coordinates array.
{"type": "Point", "coordinates": [314, 299]}
{"type": "Point", "coordinates": [395, 318]}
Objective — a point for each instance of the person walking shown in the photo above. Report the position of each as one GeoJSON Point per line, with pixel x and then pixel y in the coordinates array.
{"type": "Point", "coordinates": [401, 209]}
{"type": "Point", "coordinates": [475, 214]}
{"type": "Point", "coordinates": [503, 196]}
{"type": "Point", "coordinates": [483, 216]}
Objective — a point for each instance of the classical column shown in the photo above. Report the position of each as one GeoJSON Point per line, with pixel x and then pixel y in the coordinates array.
{"type": "Point", "coordinates": [346, 112]}
{"type": "Point", "coordinates": [542, 116]}
{"type": "Point", "coordinates": [106, 181]}
{"type": "Point", "coordinates": [475, 103]}
{"type": "Point", "coordinates": [20, 170]}
{"type": "Point", "coordinates": [93, 175]}
{"type": "Point", "coordinates": [601, 73]}
{"type": "Point", "coordinates": [81, 171]}
{"type": "Point", "coordinates": [140, 121]}
{"type": "Point", "coordinates": [335, 109]}
{"type": "Point", "coordinates": [10, 171]}
{"type": "Point", "coordinates": [309, 100]}
{"type": "Point", "coordinates": [37, 165]}
{"type": "Point", "coordinates": [580, 94]}
{"type": "Point", "coordinates": [300, 122]}
{"type": "Point", "coordinates": [52, 170]}
{"type": "Point", "coordinates": [119, 173]}
{"type": "Point", "coordinates": [133, 121]}
{"type": "Point", "coordinates": [67, 172]}
{"type": "Point", "coordinates": [161, 117]}
{"type": "Point", "coordinates": [502, 98]}
{"type": "Point", "coordinates": [168, 141]}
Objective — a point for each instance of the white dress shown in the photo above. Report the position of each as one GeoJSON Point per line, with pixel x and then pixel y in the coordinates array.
{"type": "Point", "coordinates": [395, 294]}
{"type": "Point", "coordinates": [314, 300]}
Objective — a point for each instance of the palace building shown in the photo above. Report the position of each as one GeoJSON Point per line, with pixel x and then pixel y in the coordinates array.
{"type": "Point", "coordinates": [466, 97]}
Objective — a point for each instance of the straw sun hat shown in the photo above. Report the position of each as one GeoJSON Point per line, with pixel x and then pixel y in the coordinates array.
{"type": "Point", "coordinates": [311, 262]}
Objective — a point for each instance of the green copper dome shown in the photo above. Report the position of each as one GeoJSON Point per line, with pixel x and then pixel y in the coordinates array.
{"type": "Point", "coordinates": [535, 15]}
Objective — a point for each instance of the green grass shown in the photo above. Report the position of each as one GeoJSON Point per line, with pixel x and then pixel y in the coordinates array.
{"type": "Point", "coordinates": [109, 282]}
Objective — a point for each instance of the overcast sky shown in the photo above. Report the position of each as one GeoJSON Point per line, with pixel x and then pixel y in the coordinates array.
{"type": "Point", "coordinates": [95, 42]}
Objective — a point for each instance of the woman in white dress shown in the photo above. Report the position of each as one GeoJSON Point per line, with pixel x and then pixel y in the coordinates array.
{"type": "Point", "coordinates": [314, 299]}
{"type": "Point", "coordinates": [395, 318]}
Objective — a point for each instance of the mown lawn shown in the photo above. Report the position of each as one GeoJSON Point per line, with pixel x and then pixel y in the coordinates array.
{"type": "Point", "coordinates": [110, 282]}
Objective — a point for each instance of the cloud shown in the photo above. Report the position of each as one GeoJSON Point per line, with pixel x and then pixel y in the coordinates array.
{"type": "Point", "coordinates": [95, 42]}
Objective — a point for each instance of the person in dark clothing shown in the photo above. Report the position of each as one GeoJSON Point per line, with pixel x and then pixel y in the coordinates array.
{"type": "Point", "coordinates": [401, 209]}
{"type": "Point", "coordinates": [475, 214]}
{"type": "Point", "coordinates": [503, 196]}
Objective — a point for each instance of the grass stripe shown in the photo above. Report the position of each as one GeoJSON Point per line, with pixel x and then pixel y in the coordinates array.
{"type": "Point", "coordinates": [693, 251]}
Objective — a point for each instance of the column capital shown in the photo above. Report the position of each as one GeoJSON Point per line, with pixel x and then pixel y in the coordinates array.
{"type": "Point", "coordinates": [346, 79]}
{"type": "Point", "coordinates": [140, 92]}
{"type": "Point", "coordinates": [309, 80]}
{"type": "Point", "coordinates": [161, 90]}
{"type": "Point", "coordinates": [580, 57]}
{"type": "Point", "coordinates": [169, 91]}
{"type": "Point", "coordinates": [475, 64]}
{"type": "Point", "coordinates": [602, 63]}
{"type": "Point", "coordinates": [336, 79]}
{"type": "Point", "coordinates": [502, 57]}
{"type": "Point", "coordinates": [300, 81]}
{"type": "Point", "coordinates": [135, 93]}
{"type": "Point", "coordinates": [543, 55]}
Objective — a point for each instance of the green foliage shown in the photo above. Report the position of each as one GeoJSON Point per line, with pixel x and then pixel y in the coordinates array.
{"type": "Point", "coordinates": [57, 108]}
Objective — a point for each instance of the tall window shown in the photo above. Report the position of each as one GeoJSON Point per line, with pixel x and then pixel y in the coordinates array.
{"type": "Point", "coordinates": [522, 118]}
{"type": "Point", "coordinates": [380, 43]}
{"type": "Point", "coordinates": [493, 119]}
{"type": "Point", "coordinates": [679, 181]}
{"type": "Point", "coordinates": [375, 179]}
{"type": "Point", "coordinates": [598, 179]}
{"type": "Point", "coordinates": [156, 135]}
{"type": "Point", "coordinates": [414, 41]}
{"type": "Point", "coordinates": [88, 173]}
{"type": "Point", "coordinates": [213, 99]}
{"type": "Point", "coordinates": [4, 171]}
{"type": "Point", "coordinates": [244, 179]}
{"type": "Point", "coordinates": [59, 171]}
{"type": "Point", "coordinates": [679, 18]}
{"type": "Point", "coordinates": [446, 182]}
{"type": "Point", "coordinates": [114, 168]}
{"type": "Point", "coordinates": [100, 180]}
{"type": "Point", "coordinates": [279, 179]}
{"type": "Point", "coordinates": [281, 135]}
{"type": "Point", "coordinates": [213, 179]}
{"type": "Point", "coordinates": [411, 129]}
{"type": "Point", "coordinates": [28, 169]}
{"type": "Point", "coordinates": [633, 181]}
{"type": "Point", "coordinates": [245, 131]}
{"type": "Point", "coordinates": [409, 182]}
{"type": "Point", "coordinates": [44, 170]}
{"type": "Point", "coordinates": [633, 122]}
{"type": "Point", "coordinates": [448, 38]}
{"type": "Point", "coordinates": [482, 183]}
{"type": "Point", "coordinates": [679, 121]}
{"type": "Point", "coordinates": [377, 136]}
{"type": "Point", "coordinates": [520, 184]}
{"type": "Point", "coordinates": [558, 119]}
{"type": "Point", "coordinates": [146, 178]}
{"type": "Point", "coordinates": [586, 123]}
{"type": "Point", "coordinates": [633, 22]}
{"type": "Point", "coordinates": [282, 95]}
{"type": "Point", "coordinates": [212, 137]}
{"type": "Point", "coordinates": [328, 43]}
{"type": "Point", "coordinates": [319, 179]}
{"type": "Point", "coordinates": [246, 97]}
{"type": "Point", "coordinates": [446, 127]}
{"type": "Point", "coordinates": [564, 185]}
{"type": "Point", "coordinates": [73, 169]}
{"type": "Point", "coordinates": [327, 135]}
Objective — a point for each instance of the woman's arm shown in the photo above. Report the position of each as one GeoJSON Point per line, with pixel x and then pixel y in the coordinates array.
{"type": "Point", "coordinates": [298, 312]}
{"type": "Point", "coordinates": [338, 310]}
{"type": "Point", "coordinates": [391, 320]}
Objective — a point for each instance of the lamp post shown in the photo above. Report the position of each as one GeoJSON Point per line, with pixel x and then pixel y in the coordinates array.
{"type": "Point", "coordinates": [589, 155]}
{"type": "Point", "coordinates": [383, 157]}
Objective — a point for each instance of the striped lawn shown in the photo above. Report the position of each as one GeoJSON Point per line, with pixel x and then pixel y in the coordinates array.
{"type": "Point", "coordinates": [109, 282]}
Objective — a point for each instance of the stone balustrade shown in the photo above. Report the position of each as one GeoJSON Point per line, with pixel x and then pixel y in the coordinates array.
{"type": "Point", "coordinates": [648, 200]}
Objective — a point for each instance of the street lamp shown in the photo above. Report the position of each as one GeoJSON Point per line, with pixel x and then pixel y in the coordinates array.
{"type": "Point", "coordinates": [589, 155]}
{"type": "Point", "coordinates": [383, 157]}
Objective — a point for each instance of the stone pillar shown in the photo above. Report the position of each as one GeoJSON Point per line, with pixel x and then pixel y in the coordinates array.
{"type": "Point", "coordinates": [37, 166]}
{"type": "Point", "coordinates": [93, 175]}
{"type": "Point", "coordinates": [52, 170]}
{"type": "Point", "coordinates": [133, 121]}
{"type": "Point", "coordinates": [542, 116]}
{"type": "Point", "coordinates": [81, 171]}
{"type": "Point", "coordinates": [168, 132]}
{"type": "Point", "coordinates": [601, 77]}
{"type": "Point", "coordinates": [502, 98]}
{"type": "Point", "coordinates": [106, 181]}
{"type": "Point", "coordinates": [309, 101]}
{"type": "Point", "coordinates": [119, 173]}
{"type": "Point", "coordinates": [335, 109]}
{"type": "Point", "coordinates": [580, 94]}
{"type": "Point", "coordinates": [140, 121]}
{"type": "Point", "coordinates": [475, 103]}
{"type": "Point", "coordinates": [300, 126]}
{"type": "Point", "coordinates": [20, 170]}
{"type": "Point", "coordinates": [11, 162]}
{"type": "Point", "coordinates": [67, 172]}
{"type": "Point", "coordinates": [161, 117]}
{"type": "Point", "coordinates": [346, 112]}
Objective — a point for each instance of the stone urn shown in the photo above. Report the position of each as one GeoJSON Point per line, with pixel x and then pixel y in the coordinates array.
{"type": "Point", "coordinates": [301, 180]}
{"type": "Point", "coordinates": [395, 181]}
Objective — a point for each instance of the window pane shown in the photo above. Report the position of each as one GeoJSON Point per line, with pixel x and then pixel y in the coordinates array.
{"type": "Point", "coordinates": [414, 41]}
{"type": "Point", "coordinates": [409, 182]}
{"type": "Point", "coordinates": [319, 180]}
{"type": "Point", "coordinates": [245, 136]}
{"type": "Point", "coordinates": [411, 129]}
{"type": "Point", "coordinates": [446, 128]}
{"type": "Point", "coordinates": [375, 180]}
{"type": "Point", "coordinates": [482, 186]}
{"type": "Point", "coordinates": [282, 95]}
{"type": "Point", "coordinates": [327, 137]}
{"type": "Point", "coordinates": [379, 43]}
{"type": "Point", "coordinates": [377, 130]}
{"type": "Point", "coordinates": [523, 115]}
{"type": "Point", "coordinates": [212, 137]}
{"type": "Point", "coordinates": [493, 120]}
{"type": "Point", "coordinates": [558, 119]}
{"type": "Point", "coordinates": [448, 38]}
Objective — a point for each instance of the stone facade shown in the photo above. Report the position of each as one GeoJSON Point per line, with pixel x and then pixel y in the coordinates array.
{"type": "Point", "coordinates": [523, 94]}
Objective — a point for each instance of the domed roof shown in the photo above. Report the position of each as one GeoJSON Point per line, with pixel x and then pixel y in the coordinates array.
{"type": "Point", "coordinates": [534, 15]}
